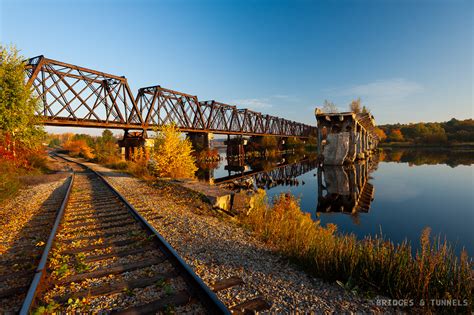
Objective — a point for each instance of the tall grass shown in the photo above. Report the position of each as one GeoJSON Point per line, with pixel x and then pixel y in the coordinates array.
{"type": "Point", "coordinates": [28, 162]}
{"type": "Point", "coordinates": [9, 180]}
{"type": "Point", "coordinates": [375, 264]}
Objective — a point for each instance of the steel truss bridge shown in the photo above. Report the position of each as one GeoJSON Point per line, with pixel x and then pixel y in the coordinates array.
{"type": "Point", "coordinates": [75, 96]}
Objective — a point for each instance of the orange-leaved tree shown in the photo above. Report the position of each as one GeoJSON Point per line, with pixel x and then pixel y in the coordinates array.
{"type": "Point", "coordinates": [380, 133]}
{"type": "Point", "coordinates": [396, 135]}
{"type": "Point", "coordinates": [78, 147]}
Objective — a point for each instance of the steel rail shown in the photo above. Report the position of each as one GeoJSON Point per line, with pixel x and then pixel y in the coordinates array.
{"type": "Point", "coordinates": [208, 298]}
{"type": "Point", "coordinates": [40, 270]}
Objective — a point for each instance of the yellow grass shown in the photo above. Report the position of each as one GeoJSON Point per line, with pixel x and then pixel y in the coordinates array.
{"type": "Point", "coordinates": [373, 263]}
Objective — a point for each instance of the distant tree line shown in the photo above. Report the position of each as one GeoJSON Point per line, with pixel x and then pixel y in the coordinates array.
{"type": "Point", "coordinates": [103, 149]}
{"type": "Point", "coordinates": [453, 131]}
{"type": "Point", "coordinates": [429, 156]}
{"type": "Point", "coordinates": [429, 133]}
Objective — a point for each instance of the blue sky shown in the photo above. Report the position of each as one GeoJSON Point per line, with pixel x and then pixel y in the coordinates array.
{"type": "Point", "coordinates": [408, 60]}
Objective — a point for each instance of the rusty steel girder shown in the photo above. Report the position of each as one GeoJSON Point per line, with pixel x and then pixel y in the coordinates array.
{"type": "Point", "coordinates": [76, 96]}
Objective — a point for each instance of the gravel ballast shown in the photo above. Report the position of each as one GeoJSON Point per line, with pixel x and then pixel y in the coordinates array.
{"type": "Point", "coordinates": [26, 222]}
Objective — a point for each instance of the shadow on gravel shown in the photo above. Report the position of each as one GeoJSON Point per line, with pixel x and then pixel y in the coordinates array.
{"type": "Point", "coordinates": [18, 263]}
{"type": "Point", "coordinates": [32, 180]}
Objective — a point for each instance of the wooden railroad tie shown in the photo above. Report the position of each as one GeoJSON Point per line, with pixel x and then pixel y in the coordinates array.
{"type": "Point", "coordinates": [251, 306]}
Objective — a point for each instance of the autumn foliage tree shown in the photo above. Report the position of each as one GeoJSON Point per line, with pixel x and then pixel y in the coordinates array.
{"type": "Point", "coordinates": [19, 130]}
{"type": "Point", "coordinates": [396, 135]}
{"type": "Point", "coordinates": [20, 135]}
{"type": "Point", "coordinates": [381, 134]}
{"type": "Point", "coordinates": [329, 107]}
{"type": "Point", "coordinates": [172, 155]}
{"type": "Point", "coordinates": [106, 148]}
{"type": "Point", "coordinates": [355, 106]}
{"type": "Point", "coordinates": [78, 147]}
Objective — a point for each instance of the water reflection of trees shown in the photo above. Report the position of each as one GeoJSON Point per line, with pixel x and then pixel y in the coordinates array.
{"type": "Point", "coordinates": [346, 189]}
{"type": "Point", "coordinates": [452, 158]}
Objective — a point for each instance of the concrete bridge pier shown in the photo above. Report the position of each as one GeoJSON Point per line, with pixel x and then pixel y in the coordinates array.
{"type": "Point", "coordinates": [345, 137]}
{"type": "Point", "coordinates": [359, 144]}
{"type": "Point", "coordinates": [364, 146]}
{"type": "Point", "coordinates": [367, 145]}
{"type": "Point", "coordinates": [200, 140]}
{"type": "Point", "coordinates": [236, 147]}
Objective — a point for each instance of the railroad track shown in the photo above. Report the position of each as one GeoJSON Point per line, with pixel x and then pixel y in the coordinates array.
{"type": "Point", "coordinates": [19, 261]}
{"type": "Point", "coordinates": [103, 256]}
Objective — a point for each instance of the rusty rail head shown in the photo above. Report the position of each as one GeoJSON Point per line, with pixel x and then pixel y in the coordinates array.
{"type": "Point", "coordinates": [71, 95]}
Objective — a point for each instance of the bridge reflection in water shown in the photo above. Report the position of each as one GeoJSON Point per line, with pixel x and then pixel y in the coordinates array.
{"type": "Point", "coordinates": [340, 189]}
{"type": "Point", "coordinates": [265, 177]}
{"type": "Point", "coordinates": [345, 189]}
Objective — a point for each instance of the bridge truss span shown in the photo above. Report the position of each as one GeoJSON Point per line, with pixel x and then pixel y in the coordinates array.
{"type": "Point", "coordinates": [76, 96]}
{"type": "Point", "coordinates": [163, 106]}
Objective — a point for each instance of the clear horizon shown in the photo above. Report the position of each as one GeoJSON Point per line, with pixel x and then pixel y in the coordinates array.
{"type": "Point", "coordinates": [408, 62]}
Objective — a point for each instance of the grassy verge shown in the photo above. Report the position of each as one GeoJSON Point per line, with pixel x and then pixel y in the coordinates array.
{"type": "Point", "coordinates": [372, 264]}
{"type": "Point", "coordinates": [9, 180]}
{"type": "Point", "coordinates": [138, 169]}
{"type": "Point", "coordinates": [11, 173]}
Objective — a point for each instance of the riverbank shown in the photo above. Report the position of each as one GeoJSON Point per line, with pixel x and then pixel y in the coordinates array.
{"type": "Point", "coordinates": [441, 146]}
{"type": "Point", "coordinates": [217, 247]}
{"type": "Point", "coordinates": [372, 264]}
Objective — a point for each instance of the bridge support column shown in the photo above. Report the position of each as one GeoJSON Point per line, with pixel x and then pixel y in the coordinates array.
{"type": "Point", "coordinates": [200, 140]}
{"type": "Point", "coordinates": [236, 147]}
{"type": "Point", "coordinates": [132, 142]}
{"type": "Point", "coordinates": [359, 143]}
{"type": "Point", "coordinates": [352, 152]}
{"type": "Point", "coordinates": [367, 144]}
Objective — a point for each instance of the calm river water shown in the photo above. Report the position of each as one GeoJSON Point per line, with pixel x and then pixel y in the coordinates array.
{"type": "Point", "coordinates": [398, 193]}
